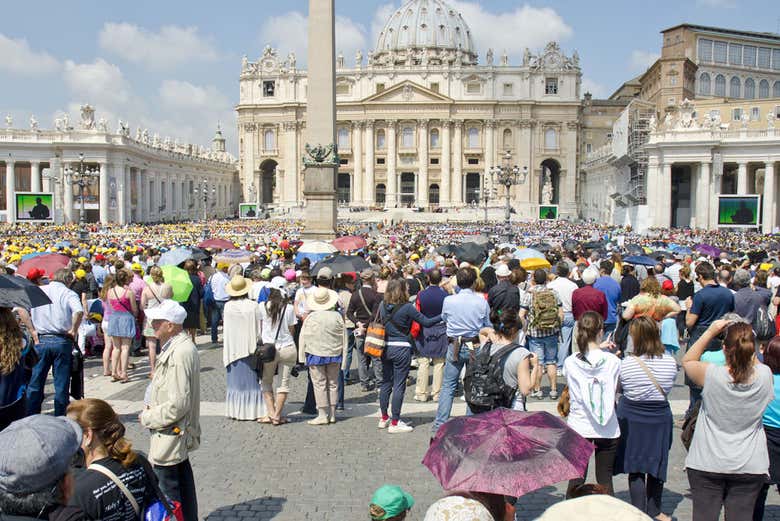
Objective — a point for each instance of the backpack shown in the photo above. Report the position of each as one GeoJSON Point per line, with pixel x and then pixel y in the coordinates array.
{"type": "Point", "coordinates": [544, 309]}
{"type": "Point", "coordinates": [263, 295]}
{"type": "Point", "coordinates": [483, 383]}
{"type": "Point", "coordinates": [763, 325]}
{"type": "Point", "coordinates": [208, 295]}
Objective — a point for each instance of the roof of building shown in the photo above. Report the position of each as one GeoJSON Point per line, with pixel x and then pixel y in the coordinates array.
{"type": "Point", "coordinates": [725, 31]}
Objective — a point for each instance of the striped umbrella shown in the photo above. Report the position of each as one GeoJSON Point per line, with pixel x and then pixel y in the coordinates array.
{"type": "Point", "coordinates": [233, 256]}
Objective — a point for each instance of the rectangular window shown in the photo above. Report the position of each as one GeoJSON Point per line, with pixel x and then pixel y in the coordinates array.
{"type": "Point", "coordinates": [715, 113]}
{"type": "Point", "coordinates": [672, 80]}
{"type": "Point", "coordinates": [735, 54]}
{"type": "Point", "coordinates": [551, 86]}
{"type": "Point", "coordinates": [435, 87]}
{"type": "Point", "coordinates": [508, 88]}
{"type": "Point", "coordinates": [473, 87]}
{"type": "Point", "coordinates": [343, 161]}
{"type": "Point", "coordinates": [705, 50]}
{"type": "Point", "coordinates": [434, 160]}
{"type": "Point", "coordinates": [719, 52]}
{"type": "Point", "coordinates": [380, 161]}
{"type": "Point", "coordinates": [763, 57]}
{"type": "Point", "coordinates": [342, 89]}
{"type": "Point", "coordinates": [380, 87]}
{"type": "Point", "coordinates": [755, 114]}
{"type": "Point", "coordinates": [736, 114]}
{"type": "Point", "coordinates": [588, 148]}
{"type": "Point", "coordinates": [776, 59]}
{"type": "Point", "coordinates": [749, 56]}
{"type": "Point", "coordinates": [473, 161]}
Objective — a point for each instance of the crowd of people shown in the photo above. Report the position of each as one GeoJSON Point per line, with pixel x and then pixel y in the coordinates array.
{"type": "Point", "coordinates": [591, 325]}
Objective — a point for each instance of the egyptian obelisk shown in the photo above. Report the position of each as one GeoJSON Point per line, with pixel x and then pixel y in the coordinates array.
{"type": "Point", "coordinates": [321, 156]}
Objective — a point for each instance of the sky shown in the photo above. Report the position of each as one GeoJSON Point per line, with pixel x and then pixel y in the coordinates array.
{"type": "Point", "coordinates": [173, 66]}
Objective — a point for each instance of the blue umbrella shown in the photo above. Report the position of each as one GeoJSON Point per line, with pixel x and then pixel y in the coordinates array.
{"type": "Point", "coordinates": [528, 253]}
{"type": "Point", "coordinates": [33, 255]}
{"type": "Point", "coordinates": [175, 257]}
{"type": "Point", "coordinates": [682, 250]}
{"type": "Point", "coordinates": [642, 260]}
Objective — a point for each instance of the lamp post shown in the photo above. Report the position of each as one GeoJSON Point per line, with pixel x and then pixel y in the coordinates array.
{"type": "Point", "coordinates": [508, 175]}
{"type": "Point", "coordinates": [486, 194]}
{"type": "Point", "coordinates": [82, 178]}
{"type": "Point", "coordinates": [203, 190]}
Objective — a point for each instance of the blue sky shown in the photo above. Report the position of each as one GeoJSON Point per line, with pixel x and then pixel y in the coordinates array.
{"type": "Point", "coordinates": [173, 66]}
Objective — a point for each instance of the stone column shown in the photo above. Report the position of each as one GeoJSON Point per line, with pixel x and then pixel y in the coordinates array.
{"type": "Point", "coordinates": [651, 194]}
{"type": "Point", "coordinates": [289, 188]}
{"type": "Point", "coordinates": [664, 201]}
{"type": "Point", "coordinates": [368, 187]}
{"type": "Point", "coordinates": [769, 198]}
{"type": "Point", "coordinates": [139, 191]}
{"type": "Point", "coordinates": [446, 174]}
{"type": "Point", "coordinates": [742, 178]}
{"type": "Point", "coordinates": [67, 193]}
{"type": "Point", "coordinates": [490, 152]}
{"type": "Point", "coordinates": [422, 159]}
{"type": "Point", "coordinates": [35, 176]}
{"type": "Point", "coordinates": [704, 196]}
{"type": "Point", "coordinates": [169, 206]}
{"type": "Point", "coordinates": [357, 171]}
{"type": "Point", "coordinates": [104, 202]}
{"type": "Point", "coordinates": [122, 193]}
{"type": "Point", "coordinates": [10, 189]}
{"type": "Point", "coordinates": [456, 194]}
{"type": "Point", "coordinates": [392, 176]}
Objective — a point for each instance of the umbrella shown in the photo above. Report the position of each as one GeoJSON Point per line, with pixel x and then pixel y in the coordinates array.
{"type": "Point", "coordinates": [179, 281]}
{"type": "Point", "coordinates": [471, 252]}
{"type": "Point", "coordinates": [708, 249]}
{"type": "Point", "coordinates": [681, 250]}
{"type": "Point", "coordinates": [233, 256]}
{"type": "Point", "coordinates": [315, 251]}
{"type": "Point", "coordinates": [18, 291]}
{"type": "Point", "coordinates": [342, 264]}
{"type": "Point", "coordinates": [175, 257]}
{"type": "Point", "coordinates": [49, 263]}
{"type": "Point", "coordinates": [535, 264]}
{"type": "Point", "coordinates": [635, 249]}
{"type": "Point", "coordinates": [570, 244]}
{"type": "Point", "coordinates": [217, 243]}
{"type": "Point", "coordinates": [642, 260]}
{"type": "Point", "coordinates": [506, 452]}
{"type": "Point", "coordinates": [33, 255]}
{"type": "Point", "coordinates": [542, 246]}
{"type": "Point", "coordinates": [350, 243]}
{"type": "Point", "coordinates": [447, 249]}
{"type": "Point", "coordinates": [481, 239]}
{"type": "Point", "coordinates": [592, 245]}
{"type": "Point", "coordinates": [528, 253]}
{"type": "Point", "coordinates": [198, 254]}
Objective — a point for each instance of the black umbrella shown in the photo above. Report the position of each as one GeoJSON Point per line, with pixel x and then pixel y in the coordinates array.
{"type": "Point", "coordinates": [593, 245]}
{"type": "Point", "coordinates": [447, 249]}
{"type": "Point", "coordinates": [342, 264]}
{"type": "Point", "coordinates": [542, 247]}
{"type": "Point", "coordinates": [471, 252]}
{"type": "Point", "coordinates": [17, 291]}
{"type": "Point", "coordinates": [634, 249]}
{"type": "Point", "coordinates": [570, 245]}
{"type": "Point", "coordinates": [198, 254]}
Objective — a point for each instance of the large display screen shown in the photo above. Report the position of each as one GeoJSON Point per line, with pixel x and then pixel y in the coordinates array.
{"type": "Point", "coordinates": [31, 206]}
{"type": "Point", "coordinates": [741, 210]}
{"type": "Point", "coordinates": [247, 211]}
{"type": "Point", "coordinates": [548, 212]}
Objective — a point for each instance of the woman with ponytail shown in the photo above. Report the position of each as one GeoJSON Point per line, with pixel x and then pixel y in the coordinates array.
{"type": "Point", "coordinates": [109, 457]}
{"type": "Point", "coordinates": [728, 461]}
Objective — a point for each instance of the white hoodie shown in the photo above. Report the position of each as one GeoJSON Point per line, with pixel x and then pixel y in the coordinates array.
{"type": "Point", "coordinates": [592, 384]}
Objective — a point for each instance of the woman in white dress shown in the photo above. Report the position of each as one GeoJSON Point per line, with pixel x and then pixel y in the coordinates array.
{"type": "Point", "coordinates": [244, 400]}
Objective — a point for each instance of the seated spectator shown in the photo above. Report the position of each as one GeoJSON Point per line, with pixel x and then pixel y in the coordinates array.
{"type": "Point", "coordinates": [390, 503]}
{"type": "Point", "coordinates": [35, 478]}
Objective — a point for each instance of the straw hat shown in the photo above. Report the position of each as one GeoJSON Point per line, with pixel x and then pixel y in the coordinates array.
{"type": "Point", "coordinates": [322, 299]}
{"type": "Point", "coordinates": [238, 286]}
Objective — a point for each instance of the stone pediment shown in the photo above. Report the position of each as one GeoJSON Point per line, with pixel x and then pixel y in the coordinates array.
{"type": "Point", "coordinates": [407, 92]}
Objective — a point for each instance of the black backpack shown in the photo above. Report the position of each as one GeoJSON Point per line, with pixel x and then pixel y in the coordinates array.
{"type": "Point", "coordinates": [483, 383]}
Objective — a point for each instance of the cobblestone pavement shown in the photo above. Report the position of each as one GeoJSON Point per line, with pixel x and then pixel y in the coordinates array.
{"type": "Point", "coordinates": [245, 470]}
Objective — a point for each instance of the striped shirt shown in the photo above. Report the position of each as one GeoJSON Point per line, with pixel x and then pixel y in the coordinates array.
{"type": "Point", "coordinates": [638, 386]}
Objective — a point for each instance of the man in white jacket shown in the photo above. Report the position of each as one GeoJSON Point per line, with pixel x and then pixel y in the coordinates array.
{"type": "Point", "coordinates": [172, 406]}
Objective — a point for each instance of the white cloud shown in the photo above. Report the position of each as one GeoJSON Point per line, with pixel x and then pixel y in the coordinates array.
{"type": "Point", "coordinates": [525, 26]}
{"type": "Point", "coordinates": [599, 90]}
{"type": "Point", "coordinates": [724, 4]}
{"type": "Point", "coordinates": [171, 46]}
{"type": "Point", "coordinates": [19, 58]}
{"type": "Point", "coordinates": [381, 16]}
{"type": "Point", "coordinates": [183, 95]}
{"type": "Point", "coordinates": [641, 60]}
{"type": "Point", "coordinates": [97, 82]}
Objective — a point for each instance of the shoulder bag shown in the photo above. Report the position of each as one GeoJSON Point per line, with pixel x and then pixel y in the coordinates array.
{"type": "Point", "coordinates": [118, 482]}
{"type": "Point", "coordinates": [374, 345]}
{"type": "Point", "coordinates": [650, 375]}
{"type": "Point", "coordinates": [266, 352]}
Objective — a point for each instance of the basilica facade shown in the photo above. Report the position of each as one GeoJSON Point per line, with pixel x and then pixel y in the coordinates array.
{"type": "Point", "coordinates": [421, 120]}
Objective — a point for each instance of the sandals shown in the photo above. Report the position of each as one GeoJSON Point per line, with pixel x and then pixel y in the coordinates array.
{"type": "Point", "coordinates": [264, 419]}
{"type": "Point", "coordinates": [279, 421]}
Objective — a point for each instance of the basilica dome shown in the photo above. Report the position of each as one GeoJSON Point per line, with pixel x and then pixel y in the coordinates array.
{"type": "Point", "coordinates": [426, 26]}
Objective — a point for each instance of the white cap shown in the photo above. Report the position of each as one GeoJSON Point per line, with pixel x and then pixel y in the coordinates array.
{"type": "Point", "coordinates": [503, 270]}
{"type": "Point", "coordinates": [169, 310]}
{"type": "Point", "coordinates": [278, 283]}
{"type": "Point", "coordinates": [588, 277]}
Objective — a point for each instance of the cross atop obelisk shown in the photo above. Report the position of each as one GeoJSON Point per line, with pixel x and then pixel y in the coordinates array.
{"type": "Point", "coordinates": [321, 160]}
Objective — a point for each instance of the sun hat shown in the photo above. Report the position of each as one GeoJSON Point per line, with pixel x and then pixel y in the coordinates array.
{"type": "Point", "coordinates": [238, 286]}
{"type": "Point", "coordinates": [389, 501]}
{"type": "Point", "coordinates": [458, 508]}
{"type": "Point", "coordinates": [322, 299]}
{"type": "Point", "coordinates": [325, 273]}
{"type": "Point", "coordinates": [137, 267]}
{"type": "Point", "coordinates": [503, 270]}
{"type": "Point", "coordinates": [168, 310]}
{"type": "Point", "coordinates": [597, 507]}
{"type": "Point", "coordinates": [36, 451]}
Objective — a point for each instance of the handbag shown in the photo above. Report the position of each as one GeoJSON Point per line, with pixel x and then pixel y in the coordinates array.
{"type": "Point", "coordinates": [266, 352]}
{"type": "Point", "coordinates": [374, 345]}
{"type": "Point", "coordinates": [689, 426]}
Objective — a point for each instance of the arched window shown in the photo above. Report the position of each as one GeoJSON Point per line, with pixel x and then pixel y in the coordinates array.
{"type": "Point", "coordinates": [380, 138]}
{"type": "Point", "coordinates": [433, 194]}
{"type": "Point", "coordinates": [776, 90]}
{"type": "Point", "coordinates": [407, 137]}
{"type": "Point", "coordinates": [720, 85]}
{"type": "Point", "coordinates": [550, 139]}
{"type": "Point", "coordinates": [343, 139]}
{"type": "Point", "coordinates": [704, 84]}
{"type": "Point", "coordinates": [473, 135]}
{"type": "Point", "coordinates": [379, 193]}
{"type": "Point", "coordinates": [763, 89]}
{"type": "Point", "coordinates": [269, 143]}
{"type": "Point", "coordinates": [435, 138]}
{"type": "Point", "coordinates": [507, 139]}
{"type": "Point", "coordinates": [750, 88]}
{"type": "Point", "coordinates": [734, 87]}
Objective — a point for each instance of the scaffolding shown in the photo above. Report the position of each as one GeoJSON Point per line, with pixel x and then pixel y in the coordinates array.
{"type": "Point", "coordinates": [639, 116]}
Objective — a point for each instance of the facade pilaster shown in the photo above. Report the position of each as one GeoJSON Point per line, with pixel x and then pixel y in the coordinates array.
{"type": "Point", "coordinates": [456, 194]}
{"type": "Point", "coordinates": [446, 173]}
{"type": "Point", "coordinates": [664, 201]}
{"type": "Point", "coordinates": [10, 189]}
{"type": "Point", "coordinates": [490, 152]}
{"type": "Point", "coordinates": [770, 198]}
{"type": "Point", "coordinates": [703, 196]}
{"type": "Point", "coordinates": [121, 193]}
{"type": "Point", "coordinates": [35, 176]}
{"type": "Point", "coordinates": [525, 158]}
{"type": "Point", "coordinates": [422, 159]}
{"type": "Point", "coordinates": [67, 193]}
{"type": "Point", "coordinates": [368, 187]}
{"type": "Point", "coordinates": [104, 202]}
{"type": "Point", "coordinates": [139, 190]}
{"type": "Point", "coordinates": [651, 193]}
{"type": "Point", "coordinates": [290, 185]}
{"type": "Point", "coordinates": [742, 178]}
{"type": "Point", "coordinates": [357, 154]}
{"type": "Point", "coordinates": [392, 176]}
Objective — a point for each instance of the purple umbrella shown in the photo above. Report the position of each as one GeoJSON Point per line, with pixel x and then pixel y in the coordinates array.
{"type": "Point", "coordinates": [506, 452]}
{"type": "Point", "coordinates": [708, 249]}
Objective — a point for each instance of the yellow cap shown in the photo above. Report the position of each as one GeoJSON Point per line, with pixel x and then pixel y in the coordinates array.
{"type": "Point", "coordinates": [82, 260]}
{"type": "Point", "coordinates": [80, 274]}
{"type": "Point", "coordinates": [137, 267]}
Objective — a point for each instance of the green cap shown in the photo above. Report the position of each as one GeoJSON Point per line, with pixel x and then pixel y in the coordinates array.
{"type": "Point", "coordinates": [391, 501]}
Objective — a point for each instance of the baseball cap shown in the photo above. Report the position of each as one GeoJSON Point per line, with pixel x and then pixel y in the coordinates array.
{"type": "Point", "coordinates": [503, 270]}
{"type": "Point", "coordinates": [325, 273]}
{"type": "Point", "coordinates": [169, 310]}
{"type": "Point", "coordinates": [278, 283]}
{"type": "Point", "coordinates": [137, 267]}
{"type": "Point", "coordinates": [667, 285]}
{"type": "Point", "coordinates": [35, 452]}
{"type": "Point", "coordinates": [80, 274]}
{"type": "Point", "coordinates": [589, 277]}
{"type": "Point", "coordinates": [391, 500]}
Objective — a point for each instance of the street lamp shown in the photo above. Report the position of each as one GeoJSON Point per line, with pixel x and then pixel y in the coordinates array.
{"type": "Point", "coordinates": [82, 178]}
{"type": "Point", "coordinates": [507, 176]}
{"type": "Point", "coordinates": [486, 194]}
{"type": "Point", "coordinates": [203, 190]}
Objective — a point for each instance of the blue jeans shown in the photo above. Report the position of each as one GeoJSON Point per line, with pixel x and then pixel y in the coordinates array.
{"type": "Point", "coordinates": [452, 369]}
{"type": "Point", "coordinates": [217, 312]}
{"type": "Point", "coordinates": [396, 362]}
{"type": "Point", "coordinates": [350, 348]}
{"type": "Point", "coordinates": [55, 354]}
{"type": "Point", "coordinates": [545, 348]}
{"type": "Point", "coordinates": [564, 348]}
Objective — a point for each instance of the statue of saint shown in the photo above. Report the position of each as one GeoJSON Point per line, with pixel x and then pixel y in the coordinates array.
{"type": "Point", "coordinates": [33, 123]}
{"type": "Point", "coordinates": [9, 121]}
{"type": "Point", "coordinates": [359, 58]}
{"type": "Point", "coordinates": [547, 188]}
{"type": "Point", "coordinates": [244, 64]}
{"type": "Point", "coordinates": [489, 57]}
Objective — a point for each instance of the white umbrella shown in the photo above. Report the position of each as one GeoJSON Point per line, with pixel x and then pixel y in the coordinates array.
{"type": "Point", "coordinates": [317, 247]}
